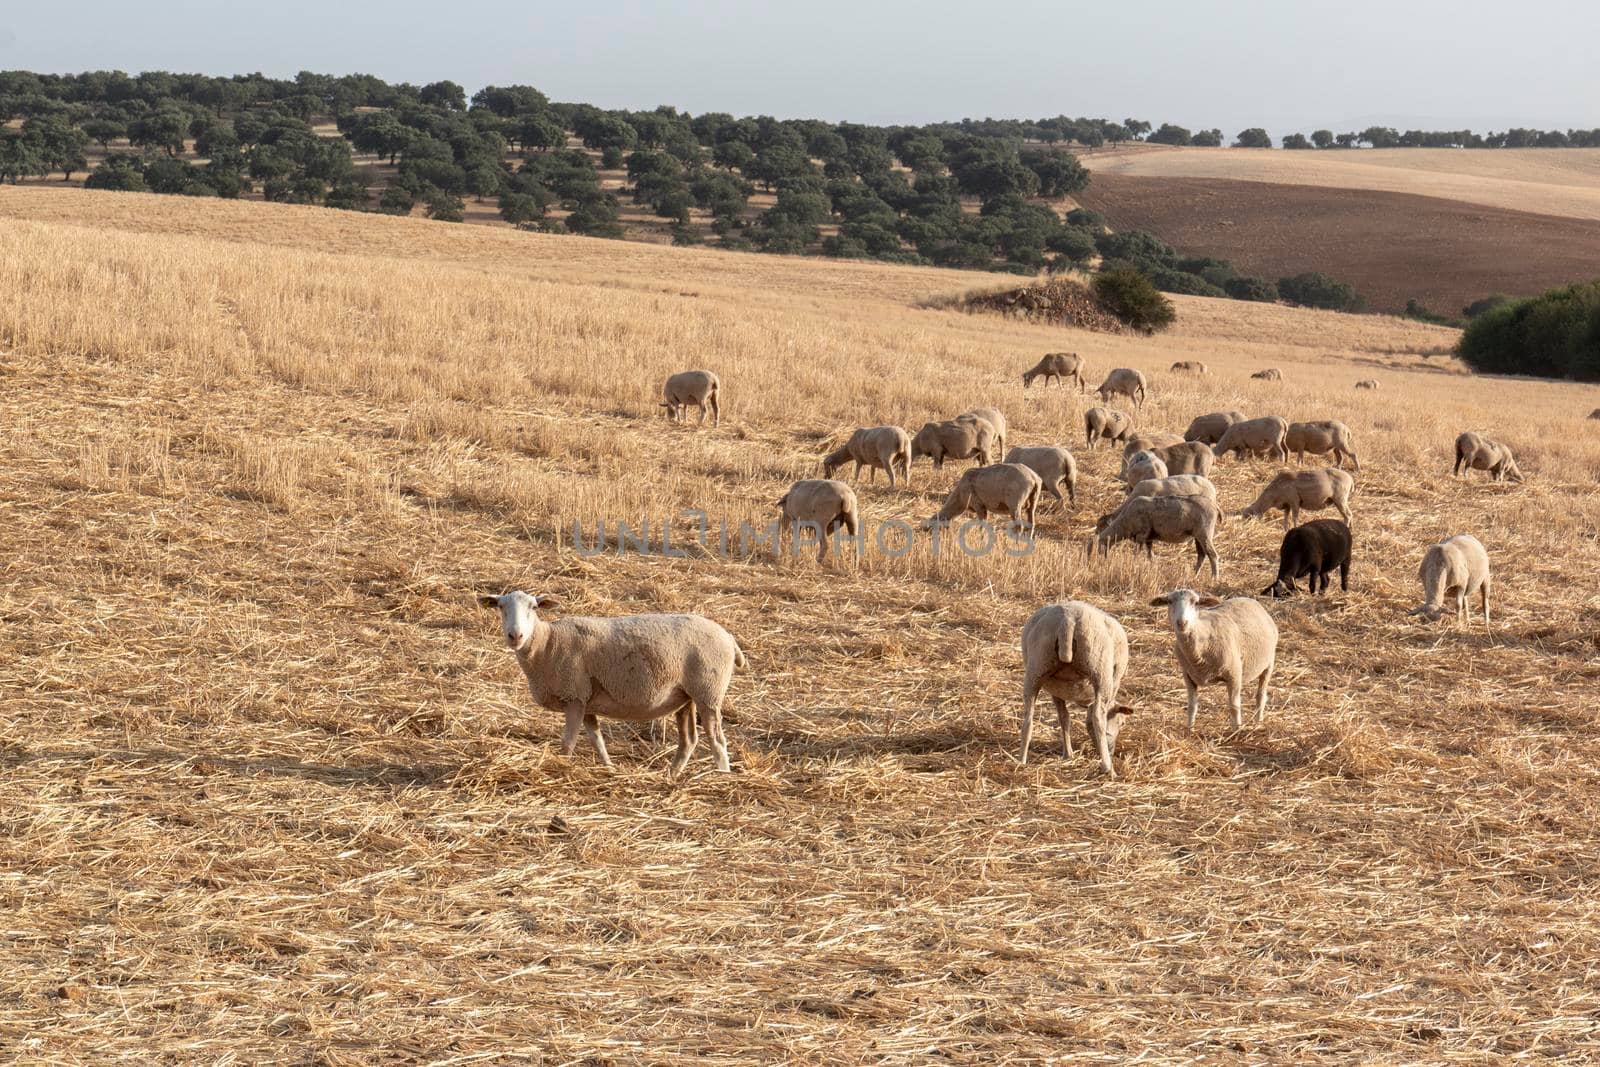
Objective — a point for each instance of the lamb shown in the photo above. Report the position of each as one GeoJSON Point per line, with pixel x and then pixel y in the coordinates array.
{"type": "Point", "coordinates": [1169, 519]}
{"type": "Point", "coordinates": [1233, 642]}
{"type": "Point", "coordinates": [1176, 485]}
{"type": "Point", "coordinates": [1477, 452]}
{"type": "Point", "coordinates": [1008, 487]}
{"type": "Point", "coordinates": [1367, 383]}
{"type": "Point", "coordinates": [1054, 466]}
{"type": "Point", "coordinates": [1142, 465]}
{"type": "Point", "coordinates": [1265, 434]}
{"type": "Point", "coordinates": [956, 439]}
{"type": "Point", "coordinates": [1190, 366]}
{"type": "Point", "coordinates": [636, 668]}
{"type": "Point", "coordinates": [886, 447]}
{"type": "Point", "coordinates": [1271, 374]}
{"type": "Point", "coordinates": [1455, 568]}
{"type": "Point", "coordinates": [1210, 428]}
{"type": "Point", "coordinates": [995, 419]}
{"type": "Point", "coordinates": [1106, 424]}
{"type": "Point", "coordinates": [1188, 457]}
{"type": "Point", "coordinates": [1124, 381]}
{"type": "Point", "coordinates": [697, 387]}
{"type": "Point", "coordinates": [820, 504]}
{"type": "Point", "coordinates": [1148, 440]}
{"type": "Point", "coordinates": [1078, 653]}
{"type": "Point", "coordinates": [1309, 490]}
{"type": "Point", "coordinates": [1060, 366]}
{"type": "Point", "coordinates": [1312, 551]}
{"type": "Point", "coordinates": [1320, 437]}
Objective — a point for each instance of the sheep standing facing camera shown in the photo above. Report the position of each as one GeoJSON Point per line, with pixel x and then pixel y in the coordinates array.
{"type": "Point", "coordinates": [1232, 641]}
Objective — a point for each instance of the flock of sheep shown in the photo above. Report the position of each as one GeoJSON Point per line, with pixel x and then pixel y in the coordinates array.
{"type": "Point", "coordinates": [644, 667]}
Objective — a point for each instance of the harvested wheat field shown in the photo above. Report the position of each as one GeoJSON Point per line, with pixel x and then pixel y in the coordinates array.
{"type": "Point", "coordinates": [274, 790]}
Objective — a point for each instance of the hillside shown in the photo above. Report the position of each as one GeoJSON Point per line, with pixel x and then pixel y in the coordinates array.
{"type": "Point", "coordinates": [274, 790]}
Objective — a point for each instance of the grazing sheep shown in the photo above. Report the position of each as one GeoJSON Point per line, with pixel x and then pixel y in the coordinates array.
{"type": "Point", "coordinates": [1455, 568]}
{"type": "Point", "coordinates": [1255, 436]}
{"type": "Point", "coordinates": [1327, 487]}
{"type": "Point", "coordinates": [1169, 519]}
{"type": "Point", "coordinates": [1176, 485]}
{"type": "Point", "coordinates": [697, 387]}
{"type": "Point", "coordinates": [1054, 466]}
{"type": "Point", "coordinates": [1148, 441]}
{"type": "Point", "coordinates": [1124, 381]}
{"type": "Point", "coordinates": [888, 447]}
{"type": "Point", "coordinates": [1231, 641]}
{"type": "Point", "coordinates": [636, 668]}
{"type": "Point", "coordinates": [994, 418]}
{"type": "Point", "coordinates": [1312, 551]}
{"type": "Point", "coordinates": [1595, 414]}
{"type": "Point", "coordinates": [821, 504]}
{"type": "Point", "coordinates": [1078, 653]}
{"type": "Point", "coordinates": [1477, 452]}
{"type": "Point", "coordinates": [1008, 487]}
{"type": "Point", "coordinates": [1320, 437]}
{"type": "Point", "coordinates": [1142, 465]}
{"type": "Point", "coordinates": [1106, 424]}
{"type": "Point", "coordinates": [1271, 374]}
{"type": "Point", "coordinates": [1190, 366]}
{"type": "Point", "coordinates": [1367, 383]}
{"type": "Point", "coordinates": [1188, 457]}
{"type": "Point", "coordinates": [1060, 366]}
{"type": "Point", "coordinates": [1210, 428]}
{"type": "Point", "coordinates": [956, 439]}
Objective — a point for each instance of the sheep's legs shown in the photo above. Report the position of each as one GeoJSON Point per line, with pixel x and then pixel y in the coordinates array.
{"type": "Point", "coordinates": [569, 733]}
{"type": "Point", "coordinates": [711, 721]}
{"type": "Point", "coordinates": [1483, 591]}
{"type": "Point", "coordinates": [1030, 692]}
{"type": "Point", "coordinates": [1097, 727]}
{"type": "Point", "coordinates": [591, 730]}
{"type": "Point", "coordinates": [1065, 719]}
{"type": "Point", "coordinates": [1194, 702]}
{"type": "Point", "coordinates": [1236, 702]}
{"type": "Point", "coordinates": [686, 738]}
{"type": "Point", "coordinates": [1261, 695]}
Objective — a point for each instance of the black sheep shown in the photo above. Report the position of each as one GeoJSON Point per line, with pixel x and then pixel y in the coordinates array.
{"type": "Point", "coordinates": [1313, 549]}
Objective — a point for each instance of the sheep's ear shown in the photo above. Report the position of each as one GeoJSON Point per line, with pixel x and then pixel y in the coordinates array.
{"type": "Point", "coordinates": [545, 600]}
{"type": "Point", "coordinates": [488, 600]}
{"type": "Point", "coordinates": [1120, 709]}
{"type": "Point", "coordinates": [1161, 601]}
{"type": "Point", "coordinates": [1208, 602]}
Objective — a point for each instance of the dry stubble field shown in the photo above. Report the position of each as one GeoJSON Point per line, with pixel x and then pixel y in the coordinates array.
{"type": "Point", "coordinates": [272, 789]}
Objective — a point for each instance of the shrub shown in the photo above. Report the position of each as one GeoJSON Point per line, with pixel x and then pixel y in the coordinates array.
{"type": "Point", "coordinates": [1244, 287]}
{"type": "Point", "coordinates": [1488, 303]}
{"type": "Point", "coordinates": [1169, 280]}
{"type": "Point", "coordinates": [1086, 219]}
{"type": "Point", "coordinates": [1554, 335]}
{"type": "Point", "coordinates": [1129, 296]}
{"type": "Point", "coordinates": [1254, 137]}
{"type": "Point", "coordinates": [1319, 291]}
{"type": "Point", "coordinates": [1143, 249]}
{"type": "Point", "coordinates": [1415, 310]}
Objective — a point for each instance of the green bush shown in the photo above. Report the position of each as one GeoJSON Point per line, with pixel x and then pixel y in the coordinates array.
{"type": "Point", "coordinates": [1086, 219]}
{"type": "Point", "coordinates": [1169, 280]}
{"type": "Point", "coordinates": [1554, 335]}
{"type": "Point", "coordinates": [1129, 296]}
{"type": "Point", "coordinates": [1488, 303]}
{"type": "Point", "coordinates": [1314, 290]}
{"type": "Point", "coordinates": [1248, 288]}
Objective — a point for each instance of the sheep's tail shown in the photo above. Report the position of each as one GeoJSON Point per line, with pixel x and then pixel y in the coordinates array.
{"type": "Point", "coordinates": [739, 659]}
{"type": "Point", "coordinates": [1069, 630]}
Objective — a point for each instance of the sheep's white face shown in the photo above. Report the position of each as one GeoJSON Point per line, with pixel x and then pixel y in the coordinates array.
{"type": "Point", "coordinates": [1183, 608]}
{"type": "Point", "coordinates": [518, 616]}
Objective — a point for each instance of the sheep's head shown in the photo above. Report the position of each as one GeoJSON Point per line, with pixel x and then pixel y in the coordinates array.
{"type": "Point", "coordinates": [1431, 612]}
{"type": "Point", "coordinates": [1027, 378]}
{"type": "Point", "coordinates": [1183, 608]}
{"type": "Point", "coordinates": [1279, 588]}
{"type": "Point", "coordinates": [1115, 717]}
{"type": "Point", "coordinates": [519, 615]}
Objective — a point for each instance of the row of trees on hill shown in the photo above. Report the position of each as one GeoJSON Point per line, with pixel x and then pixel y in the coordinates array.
{"type": "Point", "coordinates": [1388, 137]}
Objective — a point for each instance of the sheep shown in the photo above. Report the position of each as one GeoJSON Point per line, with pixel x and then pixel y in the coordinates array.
{"type": "Point", "coordinates": [1210, 428]}
{"type": "Point", "coordinates": [1308, 490]}
{"type": "Point", "coordinates": [1265, 434]}
{"type": "Point", "coordinates": [1107, 424]}
{"type": "Point", "coordinates": [995, 419]}
{"type": "Point", "coordinates": [1060, 366]}
{"type": "Point", "coordinates": [888, 447]}
{"type": "Point", "coordinates": [1190, 366]}
{"type": "Point", "coordinates": [1169, 519]}
{"type": "Point", "coordinates": [1595, 414]}
{"type": "Point", "coordinates": [1456, 568]}
{"type": "Point", "coordinates": [697, 387]}
{"type": "Point", "coordinates": [1078, 653]}
{"type": "Point", "coordinates": [821, 504]}
{"type": "Point", "coordinates": [956, 439]}
{"type": "Point", "coordinates": [1271, 374]}
{"type": "Point", "coordinates": [1054, 466]}
{"type": "Point", "coordinates": [1008, 487]}
{"type": "Point", "coordinates": [1188, 457]}
{"type": "Point", "coordinates": [1312, 551]}
{"type": "Point", "coordinates": [1124, 381]}
{"type": "Point", "coordinates": [1322, 436]}
{"type": "Point", "coordinates": [1477, 452]}
{"type": "Point", "coordinates": [1142, 465]}
{"type": "Point", "coordinates": [1231, 641]}
{"type": "Point", "coordinates": [1176, 485]}
{"type": "Point", "coordinates": [1148, 441]}
{"type": "Point", "coordinates": [1367, 383]}
{"type": "Point", "coordinates": [636, 668]}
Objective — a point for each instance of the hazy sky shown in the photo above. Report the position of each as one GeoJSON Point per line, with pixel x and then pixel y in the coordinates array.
{"type": "Point", "coordinates": [1283, 64]}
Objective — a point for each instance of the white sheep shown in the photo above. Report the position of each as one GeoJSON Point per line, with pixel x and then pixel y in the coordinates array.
{"type": "Point", "coordinates": [1000, 487]}
{"type": "Point", "coordinates": [1454, 569]}
{"type": "Point", "coordinates": [1188, 457]}
{"type": "Point", "coordinates": [994, 418]}
{"type": "Point", "coordinates": [874, 447]}
{"type": "Point", "coordinates": [1078, 653]}
{"type": "Point", "coordinates": [1231, 641]}
{"type": "Point", "coordinates": [820, 504]}
{"type": "Point", "coordinates": [636, 668]}
{"type": "Point", "coordinates": [1148, 441]}
{"type": "Point", "coordinates": [1255, 436]}
{"type": "Point", "coordinates": [698, 387]}
{"type": "Point", "coordinates": [956, 439]}
{"type": "Point", "coordinates": [1474, 451]}
{"type": "Point", "coordinates": [1054, 466]}
{"type": "Point", "coordinates": [1123, 381]}
{"type": "Point", "coordinates": [1189, 366]}
{"type": "Point", "coordinates": [1319, 438]}
{"type": "Point", "coordinates": [1367, 383]}
{"type": "Point", "coordinates": [1106, 424]}
{"type": "Point", "coordinates": [1168, 519]}
{"type": "Point", "coordinates": [1176, 485]}
{"type": "Point", "coordinates": [1308, 490]}
{"type": "Point", "coordinates": [1142, 465]}
{"type": "Point", "coordinates": [1271, 374]}
{"type": "Point", "coordinates": [1210, 428]}
{"type": "Point", "coordinates": [1057, 365]}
